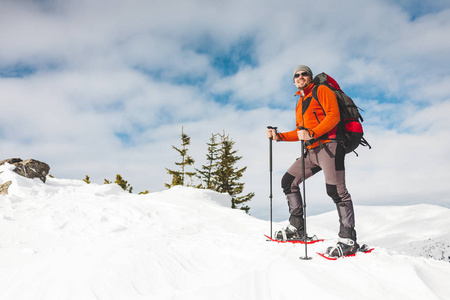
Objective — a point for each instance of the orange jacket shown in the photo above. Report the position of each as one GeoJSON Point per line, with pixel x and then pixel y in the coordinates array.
{"type": "Point", "coordinates": [319, 118]}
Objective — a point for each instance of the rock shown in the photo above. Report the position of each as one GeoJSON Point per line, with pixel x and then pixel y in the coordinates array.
{"type": "Point", "coordinates": [11, 161]}
{"type": "Point", "coordinates": [4, 187]}
{"type": "Point", "coordinates": [29, 168]}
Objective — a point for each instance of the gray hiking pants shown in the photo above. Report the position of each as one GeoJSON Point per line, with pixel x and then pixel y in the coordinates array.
{"type": "Point", "coordinates": [329, 159]}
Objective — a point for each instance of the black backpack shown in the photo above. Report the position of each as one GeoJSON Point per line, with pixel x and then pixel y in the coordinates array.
{"type": "Point", "coordinates": [350, 125]}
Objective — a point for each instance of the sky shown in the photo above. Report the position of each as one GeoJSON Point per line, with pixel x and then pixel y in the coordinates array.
{"type": "Point", "coordinates": [104, 87]}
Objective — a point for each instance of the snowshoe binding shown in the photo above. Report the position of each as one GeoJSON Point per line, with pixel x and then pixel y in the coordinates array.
{"type": "Point", "coordinates": [288, 233]}
{"type": "Point", "coordinates": [291, 234]}
{"type": "Point", "coordinates": [344, 247]}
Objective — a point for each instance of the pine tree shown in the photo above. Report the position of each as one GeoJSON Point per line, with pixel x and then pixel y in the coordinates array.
{"type": "Point", "coordinates": [178, 177]}
{"type": "Point", "coordinates": [206, 173]}
{"type": "Point", "coordinates": [226, 175]}
{"type": "Point", "coordinates": [120, 182]}
{"type": "Point", "coordinates": [123, 183]}
{"type": "Point", "coordinates": [87, 179]}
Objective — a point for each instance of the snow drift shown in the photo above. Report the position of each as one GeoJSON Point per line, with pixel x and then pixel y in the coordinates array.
{"type": "Point", "coordinates": [70, 240]}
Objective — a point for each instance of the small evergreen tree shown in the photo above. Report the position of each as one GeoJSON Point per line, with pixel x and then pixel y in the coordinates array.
{"type": "Point", "coordinates": [123, 184]}
{"type": "Point", "coordinates": [87, 179]}
{"type": "Point", "coordinates": [226, 176]}
{"type": "Point", "coordinates": [178, 177]}
{"type": "Point", "coordinates": [120, 182]}
{"type": "Point", "coordinates": [206, 173]}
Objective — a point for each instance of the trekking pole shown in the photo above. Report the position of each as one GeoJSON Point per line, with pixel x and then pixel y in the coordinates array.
{"type": "Point", "coordinates": [304, 201]}
{"type": "Point", "coordinates": [270, 177]}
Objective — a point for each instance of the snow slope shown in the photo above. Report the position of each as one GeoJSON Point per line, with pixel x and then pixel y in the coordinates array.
{"type": "Point", "coordinates": [69, 240]}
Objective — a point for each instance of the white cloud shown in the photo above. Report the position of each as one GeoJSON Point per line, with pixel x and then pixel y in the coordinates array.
{"type": "Point", "coordinates": [145, 69]}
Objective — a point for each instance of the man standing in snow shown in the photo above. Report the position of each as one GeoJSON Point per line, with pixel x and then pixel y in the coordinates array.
{"type": "Point", "coordinates": [316, 124]}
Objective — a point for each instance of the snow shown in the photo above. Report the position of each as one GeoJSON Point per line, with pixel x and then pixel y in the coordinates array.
{"type": "Point", "coordinates": [66, 239]}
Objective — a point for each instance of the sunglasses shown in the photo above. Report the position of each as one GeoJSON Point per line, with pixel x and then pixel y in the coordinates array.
{"type": "Point", "coordinates": [304, 74]}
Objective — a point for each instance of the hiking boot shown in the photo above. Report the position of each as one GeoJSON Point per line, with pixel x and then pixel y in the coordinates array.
{"type": "Point", "coordinates": [286, 234]}
{"type": "Point", "coordinates": [344, 247]}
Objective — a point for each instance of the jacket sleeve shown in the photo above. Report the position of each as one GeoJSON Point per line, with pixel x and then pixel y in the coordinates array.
{"type": "Point", "coordinates": [290, 136]}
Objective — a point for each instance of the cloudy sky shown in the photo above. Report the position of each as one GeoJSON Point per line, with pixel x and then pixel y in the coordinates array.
{"type": "Point", "coordinates": [103, 87]}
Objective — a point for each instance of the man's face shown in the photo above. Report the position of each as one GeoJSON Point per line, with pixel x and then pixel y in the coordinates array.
{"type": "Point", "coordinates": [302, 79]}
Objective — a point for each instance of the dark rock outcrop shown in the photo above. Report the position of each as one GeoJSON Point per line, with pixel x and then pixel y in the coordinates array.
{"type": "Point", "coordinates": [29, 168]}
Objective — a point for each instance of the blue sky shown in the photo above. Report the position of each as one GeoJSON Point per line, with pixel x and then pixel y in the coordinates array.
{"type": "Point", "coordinates": [101, 88]}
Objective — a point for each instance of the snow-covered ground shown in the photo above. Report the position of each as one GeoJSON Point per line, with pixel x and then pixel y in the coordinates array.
{"type": "Point", "coordinates": [69, 240]}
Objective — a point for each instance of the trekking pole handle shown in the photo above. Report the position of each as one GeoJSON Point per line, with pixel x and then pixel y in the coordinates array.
{"type": "Point", "coordinates": [274, 128]}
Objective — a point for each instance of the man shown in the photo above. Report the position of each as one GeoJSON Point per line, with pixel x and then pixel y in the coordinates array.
{"type": "Point", "coordinates": [317, 125]}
